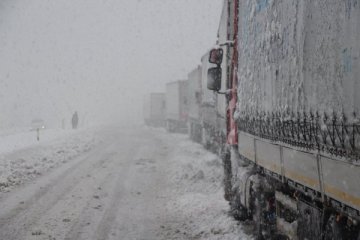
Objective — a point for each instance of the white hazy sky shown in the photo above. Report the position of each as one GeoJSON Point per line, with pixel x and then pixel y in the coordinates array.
{"type": "Point", "coordinates": [98, 57]}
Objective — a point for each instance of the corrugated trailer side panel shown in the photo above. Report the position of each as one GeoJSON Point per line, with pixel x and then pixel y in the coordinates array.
{"type": "Point", "coordinates": [299, 55]}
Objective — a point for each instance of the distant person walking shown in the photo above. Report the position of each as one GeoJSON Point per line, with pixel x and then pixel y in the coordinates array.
{"type": "Point", "coordinates": [75, 120]}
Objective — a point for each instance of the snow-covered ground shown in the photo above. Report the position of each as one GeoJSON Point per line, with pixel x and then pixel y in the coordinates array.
{"type": "Point", "coordinates": [197, 206]}
{"type": "Point", "coordinates": [114, 183]}
{"type": "Point", "coordinates": [23, 157]}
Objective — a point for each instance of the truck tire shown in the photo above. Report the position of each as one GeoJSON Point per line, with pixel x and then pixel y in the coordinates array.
{"type": "Point", "coordinates": [332, 229]}
{"type": "Point", "coordinates": [238, 211]}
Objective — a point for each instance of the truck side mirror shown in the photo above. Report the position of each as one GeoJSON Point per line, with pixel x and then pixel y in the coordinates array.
{"type": "Point", "coordinates": [214, 79]}
{"type": "Point", "coordinates": [216, 56]}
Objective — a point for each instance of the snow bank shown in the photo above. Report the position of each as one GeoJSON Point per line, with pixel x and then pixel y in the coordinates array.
{"type": "Point", "coordinates": [198, 207]}
{"type": "Point", "coordinates": [23, 138]}
{"type": "Point", "coordinates": [23, 158]}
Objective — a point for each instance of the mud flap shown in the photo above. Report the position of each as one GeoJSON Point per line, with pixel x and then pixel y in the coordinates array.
{"type": "Point", "coordinates": [309, 222]}
{"type": "Point", "coordinates": [226, 157]}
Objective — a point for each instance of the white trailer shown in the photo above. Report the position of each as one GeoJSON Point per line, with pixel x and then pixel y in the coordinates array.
{"type": "Point", "coordinates": [195, 99]}
{"type": "Point", "coordinates": [177, 106]}
{"type": "Point", "coordinates": [154, 109]}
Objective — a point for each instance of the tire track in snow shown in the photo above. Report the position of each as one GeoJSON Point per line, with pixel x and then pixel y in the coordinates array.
{"type": "Point", "coordinates": [90, 220]}
{"type": "Point", "coordinates": [26, 210]}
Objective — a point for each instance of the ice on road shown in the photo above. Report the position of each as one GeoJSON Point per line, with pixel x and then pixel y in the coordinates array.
{"type": "Point", "coordinates": [118, 183]}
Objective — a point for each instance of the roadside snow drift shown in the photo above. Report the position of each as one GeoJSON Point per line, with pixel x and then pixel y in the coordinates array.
{"type": "Point", "coordinates": [197, 205]}
{"type": "Point", "coordinates": [22, 157]}
{"type": "Point", "coordinates": [114, 183]}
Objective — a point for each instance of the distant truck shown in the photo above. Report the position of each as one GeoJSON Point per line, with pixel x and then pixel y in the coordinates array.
{"type": "Point", "coordinates": [208, 109]}
{"type": "Point", "coordinates": [154, 109]}
{"type": "Point", "coordinates": [177, 106]}
{"type": "Point", "coordinates": [194, 93]}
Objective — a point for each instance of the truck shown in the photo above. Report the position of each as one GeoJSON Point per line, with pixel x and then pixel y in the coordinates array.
{"type": "Point", "coordinates": [208, 110]}
{"type": "Point", "coordinates": [213, 107]}
{"type": "Point", "coordinates": [154, 109]}
{"type": "Point", "coordinates": [177, 106]}
{"type": "Point", "coordinates": [289, 71]}
{"type": "Point", "coordinates": [194, 96]}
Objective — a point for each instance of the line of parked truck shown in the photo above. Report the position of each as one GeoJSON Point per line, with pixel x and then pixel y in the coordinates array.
{"type": "Point", "coordinates": [187, 106]}
{"type": "Point", "coordinates": [277, 99]}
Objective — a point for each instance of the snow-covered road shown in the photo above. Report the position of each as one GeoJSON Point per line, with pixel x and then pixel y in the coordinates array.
{"type": "Point", "coordinates": [121, 183]}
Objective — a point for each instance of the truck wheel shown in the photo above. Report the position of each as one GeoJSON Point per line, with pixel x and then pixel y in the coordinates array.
{"type": "Point", "coordinates": [332, 229]}
{"type": "Point", "coordinates": [238, 211]}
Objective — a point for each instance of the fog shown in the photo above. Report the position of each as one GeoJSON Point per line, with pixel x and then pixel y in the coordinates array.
{"type": "Point", "coordinates": [96, 57]}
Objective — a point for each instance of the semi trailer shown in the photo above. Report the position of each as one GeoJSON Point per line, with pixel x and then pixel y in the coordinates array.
{"type": "Point", "coordinates": [177, 106]}
{"type": "Point", "coordinates": [194, 96]}
{"type": "Point", "coordinates": [154, 109]}
{"type": "Point", "coordinates": [290, 74]}
{"type": "Point", "coordinates": [208, 109]}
